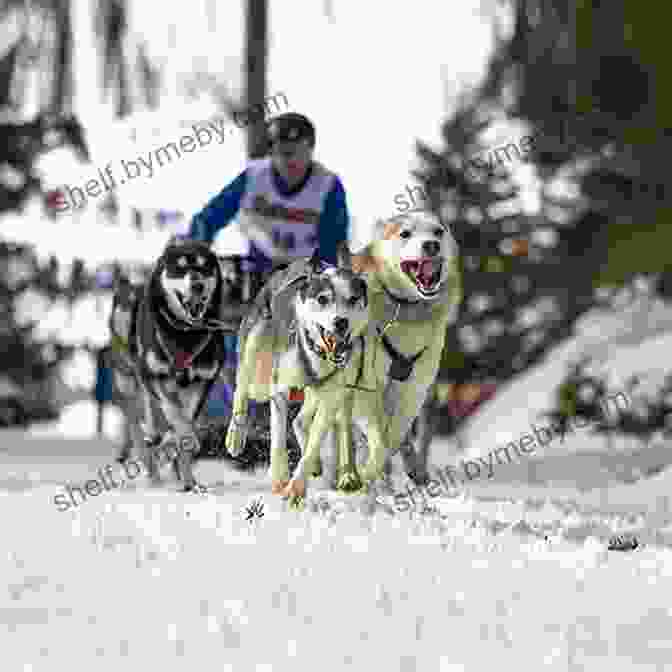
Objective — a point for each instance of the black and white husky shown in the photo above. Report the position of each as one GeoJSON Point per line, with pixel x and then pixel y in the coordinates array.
{"type": "Point", "coordinates": [167, 338]}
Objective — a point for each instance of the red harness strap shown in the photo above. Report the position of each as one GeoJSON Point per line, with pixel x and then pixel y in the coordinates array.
{"type": "Point", "coordinates": [296, 395]}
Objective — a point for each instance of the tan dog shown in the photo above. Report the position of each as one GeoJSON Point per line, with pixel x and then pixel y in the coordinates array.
{"type": "Point", "coordinates": [415, 290]}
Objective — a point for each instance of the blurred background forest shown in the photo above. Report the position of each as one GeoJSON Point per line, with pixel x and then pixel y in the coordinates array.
{"type": "Point", "coordinates": [573, 94]}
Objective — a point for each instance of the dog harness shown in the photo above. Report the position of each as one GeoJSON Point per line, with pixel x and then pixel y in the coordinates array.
{"type": "Point", "coordinates": [402, 366]}
{"type": "Point", "coordinates": [404, 310]}
{"type": "Point", "coordinates": [182, 360]}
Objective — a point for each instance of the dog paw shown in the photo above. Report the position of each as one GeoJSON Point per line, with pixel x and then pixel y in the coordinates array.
{"type": "Point", "coordinates": [349, 481]}
{"type": "Point", "coordinates": [123, 457]}
{"type": "Point", "coordinates": [278, 487]}
{"type": "Point", "coordinates": [295, 488]}
{"type": "Point", "coordinates": [419, 476]}
{"type": "Point", "coordinates": [372, 472]}
{"type": "Point", "coordinates": [297, 503]}
{"type": "Point", "coordinates": [196, 488]}
{"type": "Point", "coordinates": [314, 468]}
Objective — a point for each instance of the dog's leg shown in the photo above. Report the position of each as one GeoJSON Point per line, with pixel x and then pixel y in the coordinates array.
{"type": "Point", "coordinates": [150, 436]}
{"type": "Point", "coordinates": [413, 458]}
{"type": "Point", "coordinates": [427, 423]}
{"type": "Point", "coordinates": [296, 488]}
{"type": "Point", "coordinates": [136, 435]}
{"type": "Point", "coordinates": [347, 477]}
{"type": "Point", "coordinates": [302, 422]}
{"type": "Point", "coordinates": [126, 394]}
{"type": "Point", "coordinates": [279, 458]}
{"type": "Point", "coordinates": [127, 440]}
{"type": "Point", "coordinates": [236, 434]}
{"type": "Point", "coordinates": [255, 366]}
{"type": "Point", "coordinates": [398, 432]}
{"type": "Point", "coordinates": [179, 409]}
{"type": "Point", "coordinates": [374, 469]}
{"type": "Point", "coordinates": [133, 437]}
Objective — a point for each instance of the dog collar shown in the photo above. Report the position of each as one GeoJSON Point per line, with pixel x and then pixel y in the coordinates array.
{"type": "Point", "coordinates": [412, 310]}
{"type": "Point", "coordinates": [179, 326]}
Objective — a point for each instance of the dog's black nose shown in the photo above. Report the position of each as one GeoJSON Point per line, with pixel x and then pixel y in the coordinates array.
{"type": "Point", "coordinates": [198, 287]}
{"type": "Point", "coordinates": [341, 325]}
{"type": "Point", "coordinates": [431, 248]}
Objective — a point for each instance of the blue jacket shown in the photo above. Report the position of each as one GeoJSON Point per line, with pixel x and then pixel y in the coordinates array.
{"type": "Point", "coordinates": [333, 226]}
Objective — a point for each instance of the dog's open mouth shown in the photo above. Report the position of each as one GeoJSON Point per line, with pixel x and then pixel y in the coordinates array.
{"type": "Point", "coordinates": [333, 347]}
{"type": "Point", "coordinates": [425, 273]}
{"type": "Point", "coordinates": [194, 307]}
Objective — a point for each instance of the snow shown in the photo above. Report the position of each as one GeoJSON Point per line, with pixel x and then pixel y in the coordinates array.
{"type": "Point", "coordinates": [137, 575]}
{"type": "Point", "coordinates": [631, 340]}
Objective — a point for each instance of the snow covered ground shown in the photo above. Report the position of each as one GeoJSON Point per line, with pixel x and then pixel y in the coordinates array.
{"type": "Point", "coordinates": [512, 572]}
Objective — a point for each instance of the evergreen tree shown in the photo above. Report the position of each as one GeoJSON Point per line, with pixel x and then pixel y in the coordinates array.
{"type": "Point", "coordinates": [29, 364]}
{"type": "Point", "coordinates": [588, 95]}
{"type": "Point", "coordinates": [591, 79]}
{"type": "Point", "coordinates": [519, 298]}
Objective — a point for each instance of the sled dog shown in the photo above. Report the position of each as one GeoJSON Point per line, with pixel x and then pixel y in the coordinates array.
{"type": "Point", "coordinates": [309, 330]}
{"type": "Point", "coordinates": [415, 290]}
{"type": "Point", "coordinates": [167, 336]}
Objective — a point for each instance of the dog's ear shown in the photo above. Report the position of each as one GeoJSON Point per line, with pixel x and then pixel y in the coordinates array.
{"type": "Point", "coordinates": [363, 261]}
{"type": "Point", "coordinates": [343, 256]}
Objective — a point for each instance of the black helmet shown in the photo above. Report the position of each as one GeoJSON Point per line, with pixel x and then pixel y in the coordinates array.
{"type": "Point", "coordinates": [291, 127]}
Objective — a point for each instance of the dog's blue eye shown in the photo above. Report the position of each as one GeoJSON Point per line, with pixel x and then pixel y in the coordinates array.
{"type": "Point", "coordinates": [405, 234]}
{"type": "Point", "coordinates": [438, 232]}
{"type": "Point", "coordinates": [322, 300]}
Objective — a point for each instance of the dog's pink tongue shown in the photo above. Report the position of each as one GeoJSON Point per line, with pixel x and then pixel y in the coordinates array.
{"type": "Point", "coordinates": [182, 359]}
{"type": "Point", "coordinates": [426, 271]}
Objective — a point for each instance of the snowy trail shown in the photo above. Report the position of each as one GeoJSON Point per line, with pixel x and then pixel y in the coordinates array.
{"type": "Point", "coordinates": [136, 576]}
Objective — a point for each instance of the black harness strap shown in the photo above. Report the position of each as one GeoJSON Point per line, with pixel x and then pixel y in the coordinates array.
{"type": "Point", "coordinates": [208, 387]}
{"type": "Point", "coordinates": [360, 372]}
{"type": "Point", "coordinates": [402, 366]}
